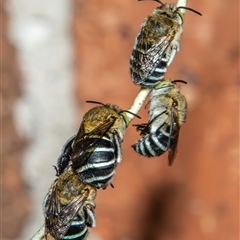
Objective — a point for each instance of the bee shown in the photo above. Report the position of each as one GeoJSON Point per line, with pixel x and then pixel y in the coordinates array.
{"type": "Point", "coordinates": [157, 44]}
{"type": "Point", "coordinates": [69, 208]}
{"type": "Point", "coordinates": [94, 152]}
{"type": "Point", "coordinates": [168, 111]}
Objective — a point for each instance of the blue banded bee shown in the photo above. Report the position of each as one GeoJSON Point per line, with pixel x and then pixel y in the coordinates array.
{"type": "Point", "coordinates": [168, 111]}
{"type": "Point", "coordinates": [69, 208]}
{"type": "Point", "coordinates": [156, 44]}
{"type": "Point", "coordinates": [94, 152]}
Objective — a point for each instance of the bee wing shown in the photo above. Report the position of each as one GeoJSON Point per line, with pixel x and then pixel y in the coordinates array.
{"type": "Point", "coordinates": [173, 139]}
{"type": "Point", "coordinates": [58, 224]}
{"type": "Point", "coordinates": [173, 150]}
{"type": "Point", "coordinates": [51, 205]}
{"type": "Point", "coordinates": [84, 145]}
{"type": "Point", "coordinates": [51, 208]}
{"type": "Point", "coordinates": [152, 50]}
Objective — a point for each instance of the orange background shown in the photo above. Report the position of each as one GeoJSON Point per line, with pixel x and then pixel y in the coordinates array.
{"type": "Point", "coordinates": [198, 197]}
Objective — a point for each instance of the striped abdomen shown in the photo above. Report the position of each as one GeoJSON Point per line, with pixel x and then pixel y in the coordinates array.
{"type": "Point", "coordinates": [155, 144]}
{"type": "Point", "coordinates": [78, 229]}
{"type": "Point", "coordinates": [99, 167]}
{"type": "Point", "coordinates": [138, 71]}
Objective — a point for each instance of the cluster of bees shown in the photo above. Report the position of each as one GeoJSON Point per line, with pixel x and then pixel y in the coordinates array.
{"type": "Point", "coordinates": [88, 159]}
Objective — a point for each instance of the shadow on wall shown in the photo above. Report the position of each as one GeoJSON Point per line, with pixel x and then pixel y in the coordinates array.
{"type": "Point", "coordinates": [159, 215]}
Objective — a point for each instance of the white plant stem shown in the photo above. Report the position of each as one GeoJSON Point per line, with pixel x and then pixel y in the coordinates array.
{"type": "Point", "coordinates": [138, 102]}
{"type": "Point", "coordinates": [181, 3]}
{"type": "Point", "coordinates": [39, 235]}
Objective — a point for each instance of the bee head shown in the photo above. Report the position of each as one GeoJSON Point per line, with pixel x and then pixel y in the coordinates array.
{"type": "Point", "coordinates": [173, 11]}
{"type": "Point", "coordinates": [164, 84]}
{"type": "Point", "coordinates": [169, 10]}
{"type": "Point", "coordinates": [123, 113]}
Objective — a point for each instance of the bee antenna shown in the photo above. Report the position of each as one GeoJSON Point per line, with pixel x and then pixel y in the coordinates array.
{"type": "Point", "coordinates": [190, 9]}
{"type": "Point", "coordinates": [179, 80]}
{"type": "Point", "coordinates": [154, 1]}
{"type": "Point", "coordinates": [134, 114]}
{"type": "Point", "coordinates": [56, 169]}
{"type": "Point", "coordinates": [95, 102]}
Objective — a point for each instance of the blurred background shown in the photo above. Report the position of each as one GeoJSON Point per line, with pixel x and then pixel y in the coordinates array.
{"type": "Point", "coordinates": [56, 54]}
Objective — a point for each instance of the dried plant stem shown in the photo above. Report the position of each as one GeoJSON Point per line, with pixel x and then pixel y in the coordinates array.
{"type": "Point", "coordinates": [136, 106]}
{"type": "Point", "coordinates": [138, 102]}
{"type": "Point", "coordinates": [182, 3]}
{"type": "Point", "coordinates": [39, 235]}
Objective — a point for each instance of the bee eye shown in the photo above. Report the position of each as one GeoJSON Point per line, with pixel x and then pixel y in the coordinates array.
{"type": "Point", "coordinates": [165, 14]}
{"type": "Point", "coordinates": [174, 104]}
{"type": "Point", "coordinates": [159, 27]}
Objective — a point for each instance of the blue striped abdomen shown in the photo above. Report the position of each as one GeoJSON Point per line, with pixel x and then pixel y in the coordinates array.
{"type": "Point", "coordinates": [99, 167]}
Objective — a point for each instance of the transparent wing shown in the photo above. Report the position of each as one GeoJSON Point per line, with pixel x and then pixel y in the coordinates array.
{"type": "Point", "coordinates": [174, 134]}
{"type": "Point", "coordinates": [173, 150]}
{"type": "Point", "coordinates": [51, 204]}
{"type": "Point", "coordinates": [150, 51]}
{"type": "Point", "coordinates": [59, 219]}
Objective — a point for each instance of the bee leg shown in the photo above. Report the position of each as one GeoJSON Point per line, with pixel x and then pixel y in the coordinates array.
{"type": "Point", "coordinates": [172, 52]}
{"type": "Point", "coordinates": [90, 214]}
{"type": "Point", "coordinates": [117, 146]}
